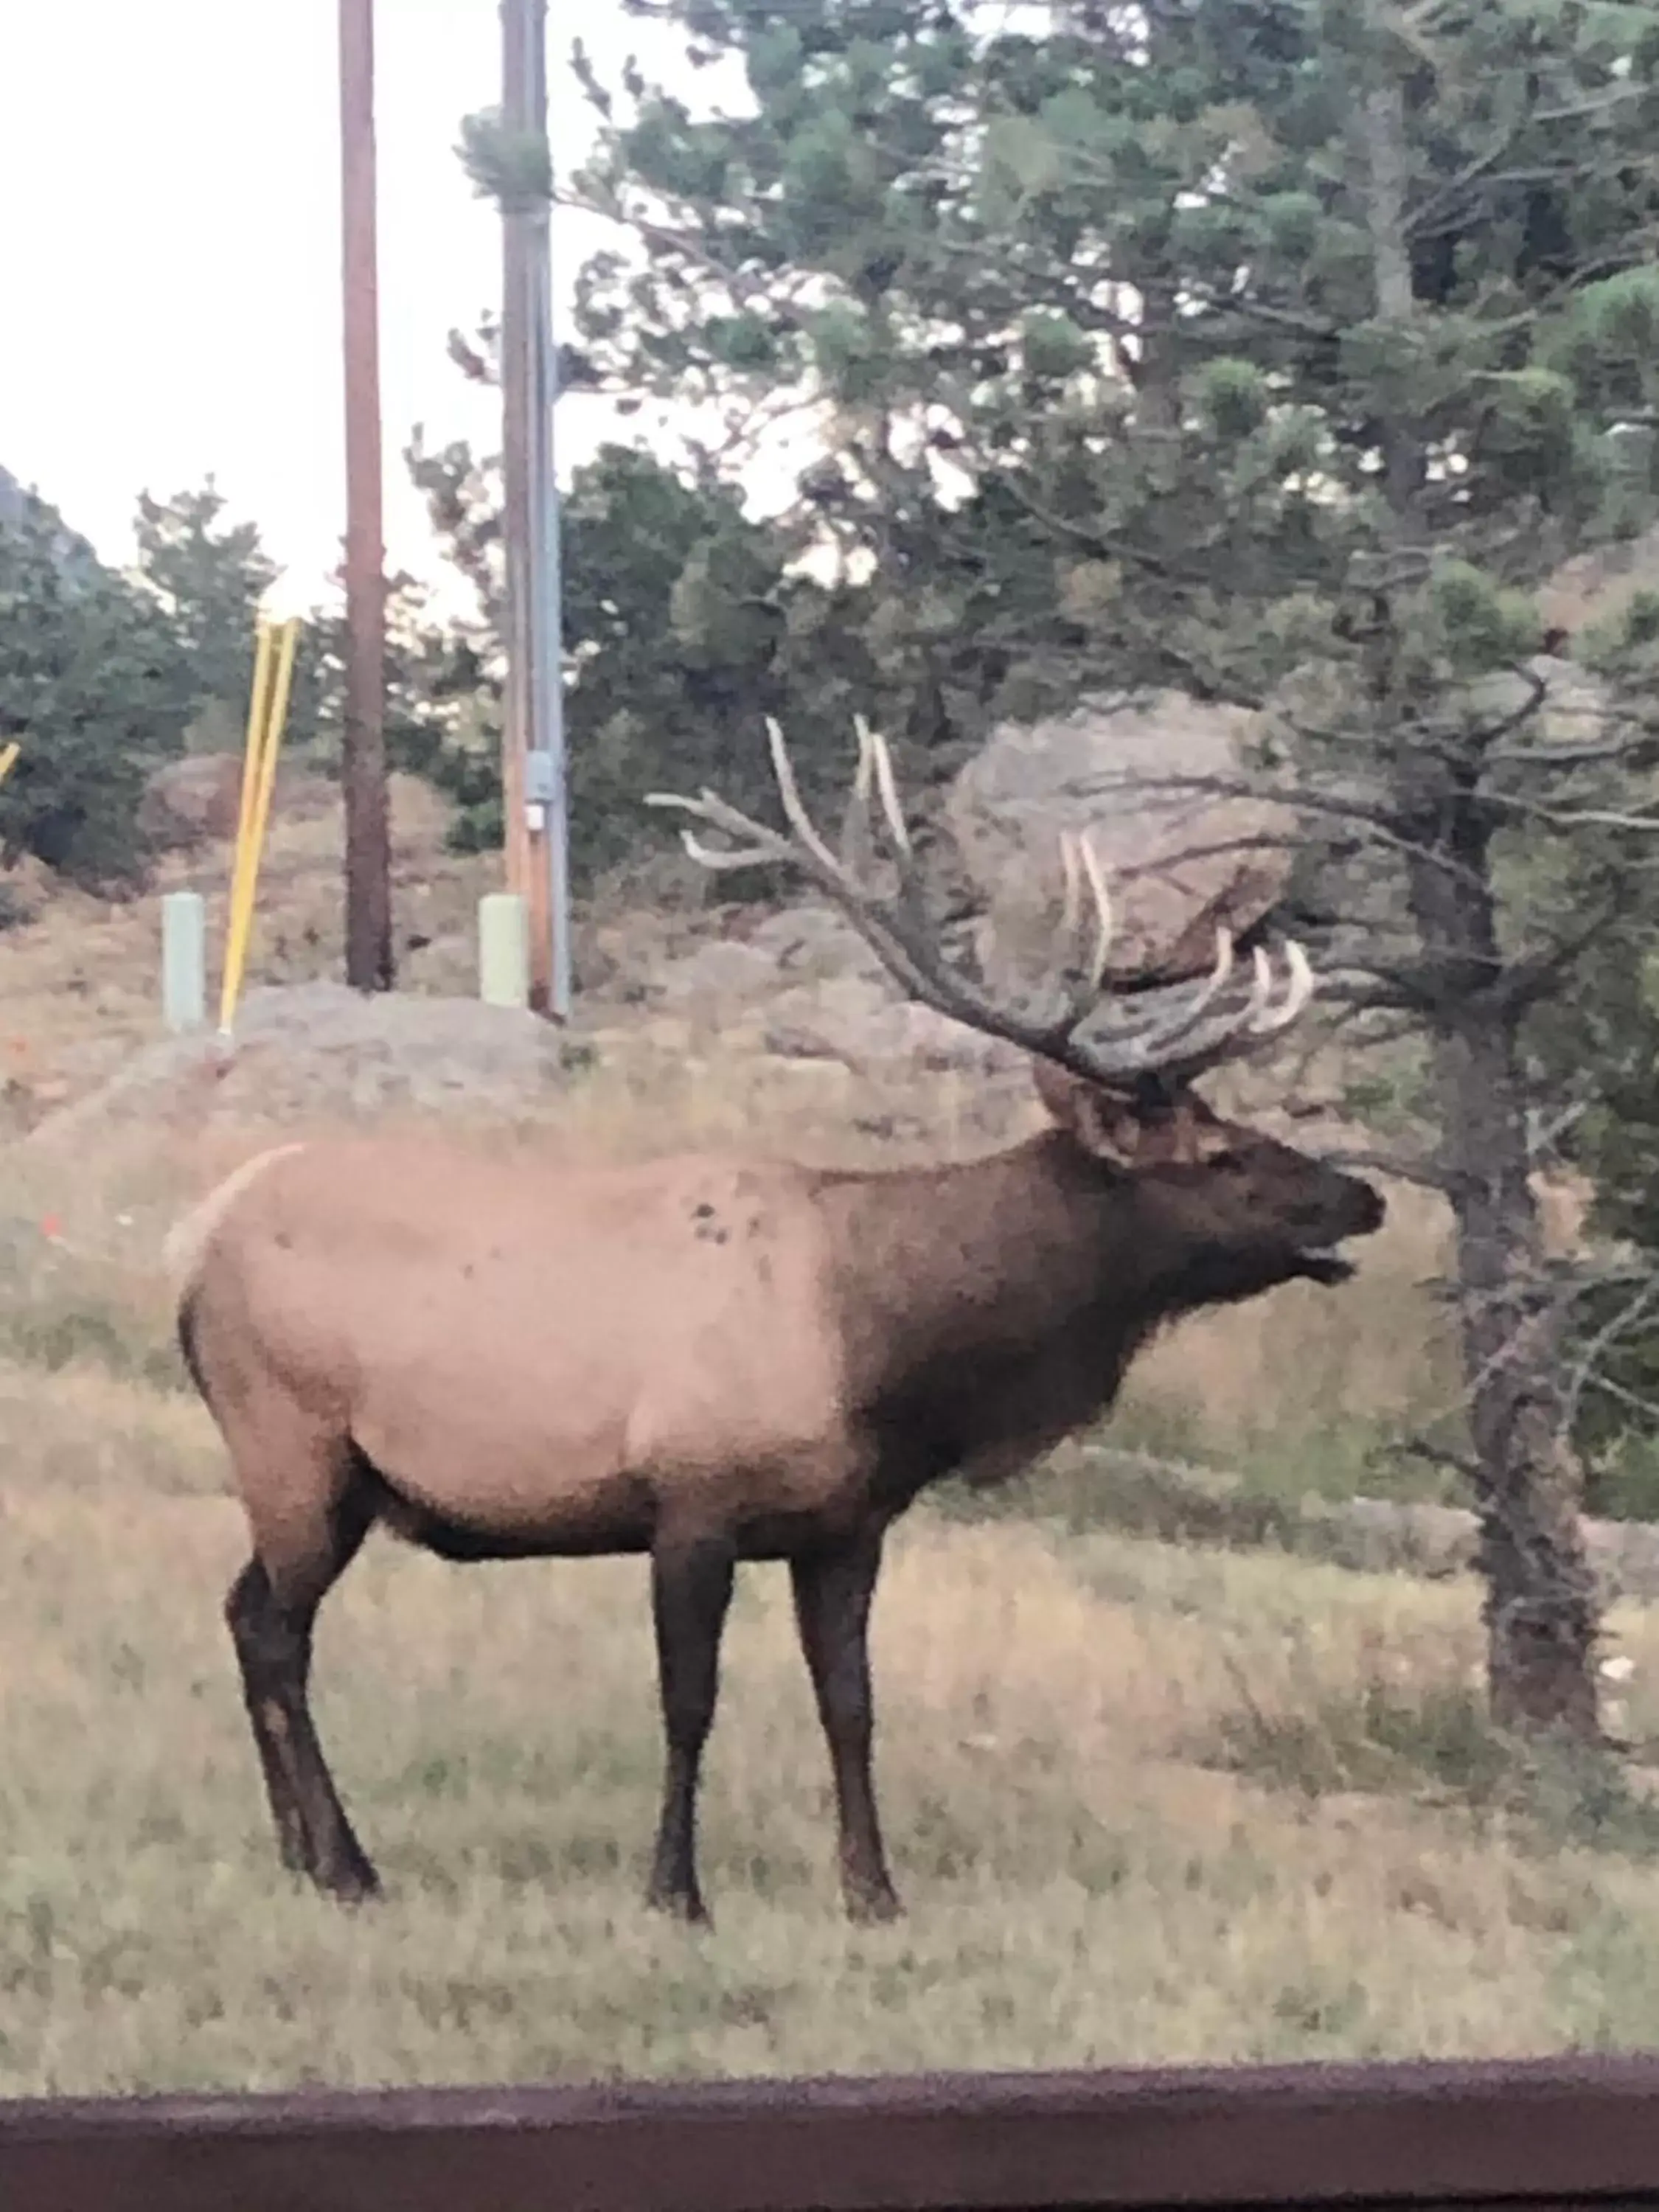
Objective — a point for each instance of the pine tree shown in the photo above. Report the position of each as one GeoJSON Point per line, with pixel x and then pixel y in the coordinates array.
{"type": "Point", "coordinates": [683, 619]}
{"type": "Point", "coordinates": [94, 689]}
{"type": "Point", "coordinates": [209, 576]}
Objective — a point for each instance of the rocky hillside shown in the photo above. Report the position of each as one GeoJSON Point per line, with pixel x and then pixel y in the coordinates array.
{"type": "Point", "coordinates": [665, 968]}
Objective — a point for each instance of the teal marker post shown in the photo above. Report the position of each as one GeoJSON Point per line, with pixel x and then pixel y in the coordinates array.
{"type": "Point", "coordinates": [184, 961]}
{"type": "Point", "coordinates": [503, 950]}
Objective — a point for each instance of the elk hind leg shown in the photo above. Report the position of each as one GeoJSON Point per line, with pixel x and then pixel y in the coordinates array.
{"type": "Point", "coordinates": [298, 1554]}
{"type": "Point", "coordinates": [833, 1589]}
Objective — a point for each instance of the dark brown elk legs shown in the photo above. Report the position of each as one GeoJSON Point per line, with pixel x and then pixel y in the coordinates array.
{"type": "Point", "coordinates": [833, 1591]}
{"type": "Point", "coordinates": [273, 1646]}
{"type": "Point", "coordinates": [691, 1591]}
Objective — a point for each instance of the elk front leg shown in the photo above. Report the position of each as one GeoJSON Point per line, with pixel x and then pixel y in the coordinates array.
{"type": "Point", "coordinates": [691, 1591]}
{"type": "Point", "coordinates": [833, 1591]}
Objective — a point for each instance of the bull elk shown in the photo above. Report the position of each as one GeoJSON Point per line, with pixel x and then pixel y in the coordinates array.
{"type": "Point", "coordinates": [714, 1358]}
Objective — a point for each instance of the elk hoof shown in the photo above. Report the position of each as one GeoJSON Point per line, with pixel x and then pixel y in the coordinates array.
{"type": "Point", "coordinates": [684, 1905]}
{"type": "Point", "coordinates": [873, 1908]}
{"type": "Point", "coordinates": [357, 1884]}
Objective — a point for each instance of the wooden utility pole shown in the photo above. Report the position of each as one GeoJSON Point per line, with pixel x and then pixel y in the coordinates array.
{"type": "Point", "coordinates": [367, 853]}
{"type": "Point", "coordinates": [533, 761]}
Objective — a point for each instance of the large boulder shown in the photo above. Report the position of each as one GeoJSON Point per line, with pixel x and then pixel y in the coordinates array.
{"type": "Point", "coordinates": [1156, 779]}
{"type": "Point", "coordinates": [815, 991]}
{"type": "Point", "coordinates": [307, 1050]}
{"type": "Point", "coordinates": [198, 799]}
{"type": "Point", "coordinates": [193, 801]}
{"type": "Point", "coordinates": [866, 1024]}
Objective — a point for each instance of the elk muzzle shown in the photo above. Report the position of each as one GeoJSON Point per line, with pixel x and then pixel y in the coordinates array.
{"type": "Point", "coordinates": [1350, 1207]}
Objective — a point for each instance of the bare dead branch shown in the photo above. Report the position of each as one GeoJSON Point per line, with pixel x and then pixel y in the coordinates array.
{"type": "Point", "coordinates": [1424, 1449]}
{"type": "Point", "coordinates": [1586, 1368]}
{"type": "Point", "coordinates": [1574, 818]}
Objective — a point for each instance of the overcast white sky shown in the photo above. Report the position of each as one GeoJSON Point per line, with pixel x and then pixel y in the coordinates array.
{"type": "Point", "coordinates": [169, 254]}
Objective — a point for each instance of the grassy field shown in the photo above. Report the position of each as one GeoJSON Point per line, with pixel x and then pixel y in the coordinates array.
{"type": "Point", "coordinates": [1145, 1803]}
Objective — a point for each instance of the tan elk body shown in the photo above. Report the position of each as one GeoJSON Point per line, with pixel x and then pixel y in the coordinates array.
{"type": "Point", "coordinates": [715, 1357]}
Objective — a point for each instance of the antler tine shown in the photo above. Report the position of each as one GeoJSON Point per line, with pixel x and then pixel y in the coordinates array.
{"type": "Point", "coordinates": [1257, 1026]}
{"type": "Point", "coordinates": [1301, 989]}
{"type": "Point", "coordinates": [1081, 864]}
{"type": "Point", "coordinates": [874, 775]}
{"type": "Point", "coordinates": [1105, 922]}
{"type": "Point", "coordinates": [1070, 871]}
{"type": "Point", "coordinates": [759, 843]}
{"type": "Point", "coordinates": [873, 755]}
{"type": "Point", "coordinates": [1227, 1029]}
{"type": "Point", "coordinates": [764, 844]}
{"type": "Point", "coordinates": [1179, 1048]}
{"type": "Point", "coordinates": [1260, 991]}
{"type": "Point", "coordinates": [1143, 1045]}
{"type": "Point", "coordinates": [794, 809]}
{"type": "Point", "coordinates": [1237, 1036]}
{"type": "Point", "coordinates": [1190, 1015]}
{"type": "Point", "coordinates": [857, 846]}
{"type": "Point", "coordinates": [742, 856]}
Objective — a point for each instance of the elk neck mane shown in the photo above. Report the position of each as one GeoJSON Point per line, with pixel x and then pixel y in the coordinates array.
{"type": "Point", "coordinates": [986, 1257]}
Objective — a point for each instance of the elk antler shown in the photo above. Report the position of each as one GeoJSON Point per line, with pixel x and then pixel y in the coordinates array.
{"type": "Point", "coordinates": [1172, 1032]}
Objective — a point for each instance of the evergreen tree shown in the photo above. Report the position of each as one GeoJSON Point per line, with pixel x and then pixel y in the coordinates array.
{"type": "Point", "coordinates": [1598, 1047]}
{"type": "Point", "coordinates": [94, 688]}
{"type": "Point", "coordinates": [684, 620]}
{"type": "Point", "coordinates": [209, 576]}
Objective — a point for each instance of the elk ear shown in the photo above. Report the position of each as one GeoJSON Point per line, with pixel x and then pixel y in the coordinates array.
{"type": "Point", "coordinates": [1155, 1130]}
{"type": "Point", "coordinates": [1107, 1125]}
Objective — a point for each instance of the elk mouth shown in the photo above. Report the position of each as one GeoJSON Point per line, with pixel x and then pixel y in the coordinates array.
{"type": "Point", "coordinates": [1324, 1266]}
{"type": "Point", "coordinates": [1321, 1262]}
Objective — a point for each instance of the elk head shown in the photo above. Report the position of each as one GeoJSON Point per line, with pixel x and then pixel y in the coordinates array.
{"type": "Point", "coordinates": [1243, 1210]}
{"type": "Point", "coordinates": [1116, 1069]}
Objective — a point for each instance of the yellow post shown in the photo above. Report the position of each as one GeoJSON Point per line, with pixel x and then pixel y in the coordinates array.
{"type": "Point", "coordinates": [283, 685]}
{"type": "Point", "coordinates": [259, 703]}
{"type": "Point", "coordinates": [267, 713]}
{"type": "Point", "coordinates": [9, 759]}
{"type": "Point", "coordinates": [259, 706]}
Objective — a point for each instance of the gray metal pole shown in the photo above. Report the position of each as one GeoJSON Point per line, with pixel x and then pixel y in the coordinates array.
{"type": "Point", "coordinates": [549, 617]}
{"type": "Point", "coordinates": [536, 689]}
{"type": "Point", "coordinates": [517, 411]}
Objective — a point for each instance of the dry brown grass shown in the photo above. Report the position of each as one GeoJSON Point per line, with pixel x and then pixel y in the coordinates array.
{"type": "Point", "coordinates": [82, 978]}
{"type": "Point", "coordinates": [1114, 1775]}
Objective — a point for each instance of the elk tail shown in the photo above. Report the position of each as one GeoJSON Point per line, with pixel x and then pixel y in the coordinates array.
{"type": "Point", "coordinates": [188, 1239]}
